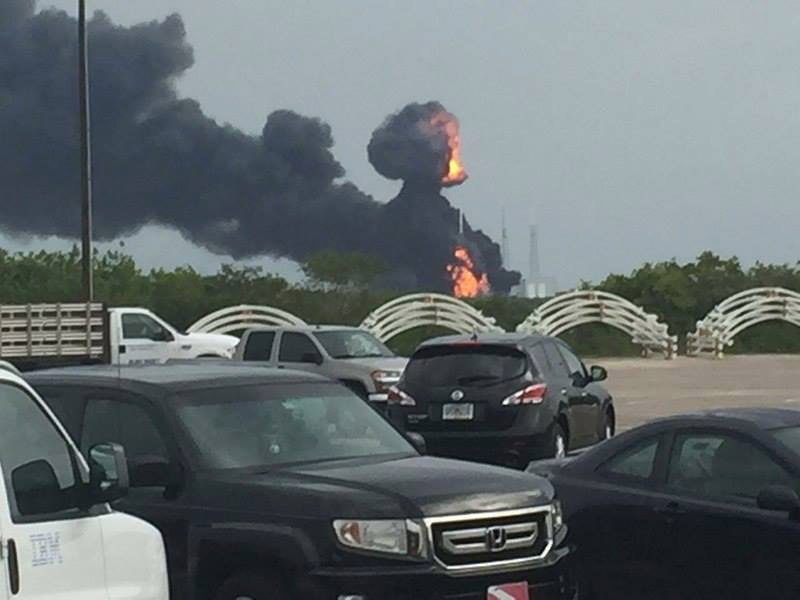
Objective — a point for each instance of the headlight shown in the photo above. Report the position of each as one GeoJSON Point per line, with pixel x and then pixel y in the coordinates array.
{"type": "Point", "coordinates": [401, 538]}
{"type": "Point", "coordinates": [557, 514]}
{"type": "Point", "coordinates": [385, 379]}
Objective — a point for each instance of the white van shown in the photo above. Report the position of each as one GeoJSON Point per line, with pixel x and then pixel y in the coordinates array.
{"type": "Point", "coordinates": [58, 536]}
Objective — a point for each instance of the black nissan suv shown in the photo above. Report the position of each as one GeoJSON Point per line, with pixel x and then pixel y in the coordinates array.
{"type": "Point", "coordinates": [502, 398]}
{"type": "Point", "coordinates": [280, 485]}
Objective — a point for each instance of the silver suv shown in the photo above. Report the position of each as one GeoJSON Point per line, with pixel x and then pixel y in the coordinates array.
{"type": "Point", "coordinates": [351, 355]}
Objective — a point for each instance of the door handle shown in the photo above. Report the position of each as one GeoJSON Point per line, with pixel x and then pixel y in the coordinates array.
{"type": "Point", "coordinates": [13, 567]}
{"type": "Point", "coordinates": [563, 391]}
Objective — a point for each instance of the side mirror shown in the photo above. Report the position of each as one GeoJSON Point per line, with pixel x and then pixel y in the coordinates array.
{"type": "Point", "coordinates": [779, 498]}
{"type": "Point", "coordinates": [417, 441]}
{"type": "Point", "coordinates": [152, 471]}
{"type": "Point", "coordinates": [311, 358]}
{"type": "Point", "coordinates": [108, 473]}
{"type": "Point", "coordinates": [597, 373]}
{"type": "Point", "coordinates": [36, 489]}
{"type": "Point", "coordinates": [163, 336]}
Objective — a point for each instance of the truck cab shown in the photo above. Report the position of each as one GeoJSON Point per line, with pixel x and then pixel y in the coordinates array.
{"type": "Point", "coordinates": [140, 336]}
{"type": "Point", "coordinates": [350, 355]}
{"type": "Point", "coordinates": [58, 536]}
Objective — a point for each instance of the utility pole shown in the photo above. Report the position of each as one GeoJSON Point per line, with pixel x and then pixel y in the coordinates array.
{"type": "Point", "coordinates": [87, 275]}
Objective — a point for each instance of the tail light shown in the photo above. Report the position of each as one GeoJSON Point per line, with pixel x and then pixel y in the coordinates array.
{"type": "Point", "coordinates": [533, 394]}
{"type": "Point", "coordinates": [398, 397]}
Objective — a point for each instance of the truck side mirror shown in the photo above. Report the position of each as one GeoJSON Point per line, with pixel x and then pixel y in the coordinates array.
{"type": "Point", "coordinates": [108, 472]}
{"type": "Point", "coordinates": [36, 489]}
{"type": "Point", "coordinates": [163, 336]}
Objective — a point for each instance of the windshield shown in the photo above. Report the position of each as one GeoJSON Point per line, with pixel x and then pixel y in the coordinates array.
{"type": "Point", "coordinates": [465, 365]}
{"type": "Point", "coordinates": [278, 424]}
{"type": "Point", "coordinates": [789, 436]}
{"type": "Point", "coordinates": [347, 343]}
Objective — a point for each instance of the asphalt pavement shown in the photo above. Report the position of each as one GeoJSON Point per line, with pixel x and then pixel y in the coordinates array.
{"type": "Point", "coordinates": [644, 389]}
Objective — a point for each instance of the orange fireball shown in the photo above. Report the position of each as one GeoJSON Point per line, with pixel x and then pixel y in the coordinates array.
{"type": "Point", "coordinates": [466, 282]}
{"type": "Point", "coordinates": [455, 169]}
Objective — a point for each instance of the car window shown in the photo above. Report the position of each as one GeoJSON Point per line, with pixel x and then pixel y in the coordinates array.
{"type": "Point", "coordinates": [574, 364]}
{"type": "Point", "coordinates": [722, 466]}
{"type": "Point", "coordinates": [38, 464]}
{"type": "Point", "coordinates": [67, 404]}
{"type": "Point", "coordinates": [142, 327]}
{"type": "Point", "coordinates": [635, 462]}
{"type": "Point", "coordinates": [123, 423]}
{"type": "Point", "coordinates": [259, 345]}
{"type": "Point", "coordinates": [465, 365]}
{"type": "Point", "coordinates": [296, 347]}
{"type": "Point", "coordinates": [556, 360]}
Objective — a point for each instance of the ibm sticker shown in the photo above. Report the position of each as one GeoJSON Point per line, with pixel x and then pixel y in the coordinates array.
{"type": "Point", "coordinates": [46, 549]}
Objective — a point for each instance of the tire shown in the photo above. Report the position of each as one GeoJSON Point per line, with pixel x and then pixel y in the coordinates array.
{"type": "Point", "coordinates": [606, 426]}
{"type": "Point", "coordinates": [251, 586]}
{"type": "Point", "coordinates": [558, 442]}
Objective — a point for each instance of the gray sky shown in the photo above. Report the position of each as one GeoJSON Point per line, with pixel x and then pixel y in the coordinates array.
{"type": "Point", "coordinates": [629, 130]}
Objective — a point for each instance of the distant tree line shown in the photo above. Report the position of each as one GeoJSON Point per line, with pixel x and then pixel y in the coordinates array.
{"type": "Point", "coordinates": [339, 288]}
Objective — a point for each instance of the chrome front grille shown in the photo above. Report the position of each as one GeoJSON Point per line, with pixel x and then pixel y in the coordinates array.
{"type": "Point", "coordinates": [492, 541]}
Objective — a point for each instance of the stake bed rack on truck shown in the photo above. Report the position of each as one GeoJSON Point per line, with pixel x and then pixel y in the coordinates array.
{"type": "Point", "coordinates": [35, 334]}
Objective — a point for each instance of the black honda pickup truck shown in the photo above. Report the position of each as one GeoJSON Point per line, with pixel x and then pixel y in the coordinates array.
{"type": "Point", "coordinates": [277, 485]}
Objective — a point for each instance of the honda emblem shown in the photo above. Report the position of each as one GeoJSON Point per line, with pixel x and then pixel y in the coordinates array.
{"type": "Point", "coordinates": [496, 539]}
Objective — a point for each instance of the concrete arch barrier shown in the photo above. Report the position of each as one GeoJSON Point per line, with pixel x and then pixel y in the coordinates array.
{"type": "Point", "coordinates": [574, 309]}
{"type": "Point", "coordinates": [739, 312]}
{"type": "Point", "coordinates": [425, 310]}
{"type": "Point", "coordinates": [244, 316]}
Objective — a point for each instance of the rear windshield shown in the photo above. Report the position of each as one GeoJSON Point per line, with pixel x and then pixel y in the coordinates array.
{"type": "Point", "coordinates": [465, 365]}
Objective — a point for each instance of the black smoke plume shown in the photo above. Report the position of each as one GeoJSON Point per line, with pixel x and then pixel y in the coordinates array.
{"type": "Point", "coordinates": [157, 158]}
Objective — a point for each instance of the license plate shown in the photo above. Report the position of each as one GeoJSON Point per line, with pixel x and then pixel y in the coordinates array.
{"type": "Point", "coordinates": [510, 591]}
{"type": "Point", "coordinates": [458, 412]}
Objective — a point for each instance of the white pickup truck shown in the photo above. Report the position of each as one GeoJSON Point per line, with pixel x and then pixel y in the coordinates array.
{"type": "Point", "coordinates": [36, 335]}
{"type": "Point", "coordinates": [58, 536]}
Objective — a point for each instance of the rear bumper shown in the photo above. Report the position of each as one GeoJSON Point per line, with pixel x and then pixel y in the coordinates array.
{"type": "Point", "coordinates": [430, 583]}
{"type": "Point", "coordinates": [527, 438]}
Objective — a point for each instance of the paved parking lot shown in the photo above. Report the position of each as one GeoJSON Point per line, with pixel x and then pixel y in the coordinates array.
{"type": "Point", "coordinates": [644, 389]}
